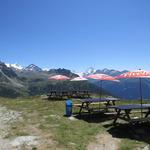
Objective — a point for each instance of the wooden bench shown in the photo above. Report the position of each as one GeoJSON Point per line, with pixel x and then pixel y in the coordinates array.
{"type": "Point", "coordinates": [76, 105]}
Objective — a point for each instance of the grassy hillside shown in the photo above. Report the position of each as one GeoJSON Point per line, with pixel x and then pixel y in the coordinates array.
{"type": "Point", "coordinates": [46, 120]}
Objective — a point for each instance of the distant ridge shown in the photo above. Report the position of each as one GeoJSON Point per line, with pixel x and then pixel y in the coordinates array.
{"type": "Point", "coordinates": [111, 72]}
{"type": "Point", "coordinates": [62, 71]}
{"type": "Point", "coordinates": [91, 70]}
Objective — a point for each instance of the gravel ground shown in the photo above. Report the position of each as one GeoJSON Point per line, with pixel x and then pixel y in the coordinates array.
{"type": "Point", "coordinates": [7, 118]}
{"type": "Point", "coordinates": [104, 142]}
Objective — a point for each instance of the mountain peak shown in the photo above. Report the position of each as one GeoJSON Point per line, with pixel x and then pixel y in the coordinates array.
{"type": "Point", "coordinates": [33, 67]}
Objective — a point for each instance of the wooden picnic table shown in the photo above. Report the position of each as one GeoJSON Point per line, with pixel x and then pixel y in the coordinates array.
{"type": "Point", "coordinates": [80, 94]}
{"type": "Point", "coordinates": [85, 103]}
{"type": "Point", "coordinates": [58, 94]}
{"type": "Point", "coordinates": [127, 111]}
{"type": "Point", "coordinates": [68, 94]}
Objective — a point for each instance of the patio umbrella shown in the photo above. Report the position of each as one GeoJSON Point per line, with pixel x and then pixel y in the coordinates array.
{"type": "Point", "coordinates": [59, 78]}
{"type": "Point", "coordinates": [136, 74]}
{"type": "Point", "coordinates": [101, 77]}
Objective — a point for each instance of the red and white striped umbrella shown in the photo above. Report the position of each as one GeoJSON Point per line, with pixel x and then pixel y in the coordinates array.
{"type": "Point", "coordinates": [102, 77]}
{"type": "Point", "coordinates": [136, 74]}
{"type": "Point", "coordinates": [59, 77]}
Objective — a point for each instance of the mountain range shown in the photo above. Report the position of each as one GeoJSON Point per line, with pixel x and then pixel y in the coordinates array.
{"type": "Point", "coordinates": [88, 71]}
{"type": "Point", "coordinates": [33, 80]}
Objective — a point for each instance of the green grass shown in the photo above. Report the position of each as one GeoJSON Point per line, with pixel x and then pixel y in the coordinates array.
{"type": "Point", "coordinates": [49, 120]}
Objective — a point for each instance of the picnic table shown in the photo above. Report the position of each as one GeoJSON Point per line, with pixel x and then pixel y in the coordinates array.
{"type": "Point", "coordinates": [80, 94]}
{"type": "Point", "coordinates": [126, 115]}
{"type": "Point", "coordinates": [85, 103]}
{"type": "Point", "coordinates": [58, 94]}
{"type": "Point", "coordinates": [68, 94]}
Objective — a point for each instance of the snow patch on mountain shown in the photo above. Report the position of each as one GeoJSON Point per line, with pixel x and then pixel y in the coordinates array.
{"type": "Point", "coordinates": [15, 66]}
{"type": "Point", "coordinates": [79, 73]}
{"type": "Point", "coordinates": [89, 71]}
{"type": "Point", "coordinates": [46, 69]}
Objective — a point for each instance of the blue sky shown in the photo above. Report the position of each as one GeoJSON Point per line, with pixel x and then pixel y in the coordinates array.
{"type": "Point", "coordinates": [76, 34]}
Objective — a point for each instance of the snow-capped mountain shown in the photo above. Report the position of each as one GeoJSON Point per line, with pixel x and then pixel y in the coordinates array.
{"type": "Point", "coordinates": [6, 72]}
{"type": "Point", "coordinates": [89, 71]}
{"type": "Point", "coordinates": [46, 69]}
{"type": "Point", "coordinates": [14, 66]}
{"type": "Point", "coordinates": [32, 67]}
{"type": "Point", "coordinates": [111, 72]}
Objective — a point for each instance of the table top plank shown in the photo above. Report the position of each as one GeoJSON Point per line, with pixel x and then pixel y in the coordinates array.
{"type": "Point", "coordinates": [132, 106]}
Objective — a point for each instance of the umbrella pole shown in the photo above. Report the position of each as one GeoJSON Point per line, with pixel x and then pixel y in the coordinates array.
{"type": "Point", "coordinates": [100, 89]}
{"type": "Point", "coordinates": [141, 97]}
{"type": "Point", "coordinates": [100, 96]}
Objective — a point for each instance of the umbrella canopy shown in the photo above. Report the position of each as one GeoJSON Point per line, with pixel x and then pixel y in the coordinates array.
{"type": "Point", "coordinates": [136, 74]}
{"type": "Point", "coordinates": [79, 79]}
{"type": "Point", "coordinates": [101, 77]}
{"type": "Point", "coordinates": [59, 77]}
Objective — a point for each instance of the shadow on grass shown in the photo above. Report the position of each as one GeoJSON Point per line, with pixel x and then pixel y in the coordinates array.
{"type": "Point", "coordinates": [96, 117]}
{"type": "Point", "coordinates": [139, 132]}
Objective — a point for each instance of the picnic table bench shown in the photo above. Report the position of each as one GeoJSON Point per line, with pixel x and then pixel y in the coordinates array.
{"type": "Point", "coordinates": [85, 103]}
{"type": "Point", "coordinates": [127, 111]}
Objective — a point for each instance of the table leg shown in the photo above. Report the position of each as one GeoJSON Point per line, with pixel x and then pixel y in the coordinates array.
{"type": "Point", "coordinates": [147, 113]}
{"type": "Point", "coordinates": [117, 116]}
{"type": "Point", "coordinates": [87, 107]}
{"type": "Point", "coordinates": [84, 105]}
{"type": "Point", "coordinates": [127, 114]}
{"type": "Point", "coordinates": [113, 102]}
{"type": "Point", "coordinates": [81, 109]}
{"type": "Point", "coordinates": [108, 103]}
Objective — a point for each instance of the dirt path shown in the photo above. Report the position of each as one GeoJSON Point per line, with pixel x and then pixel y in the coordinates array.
{"type": "Point", "coordinates": [104, 142]}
